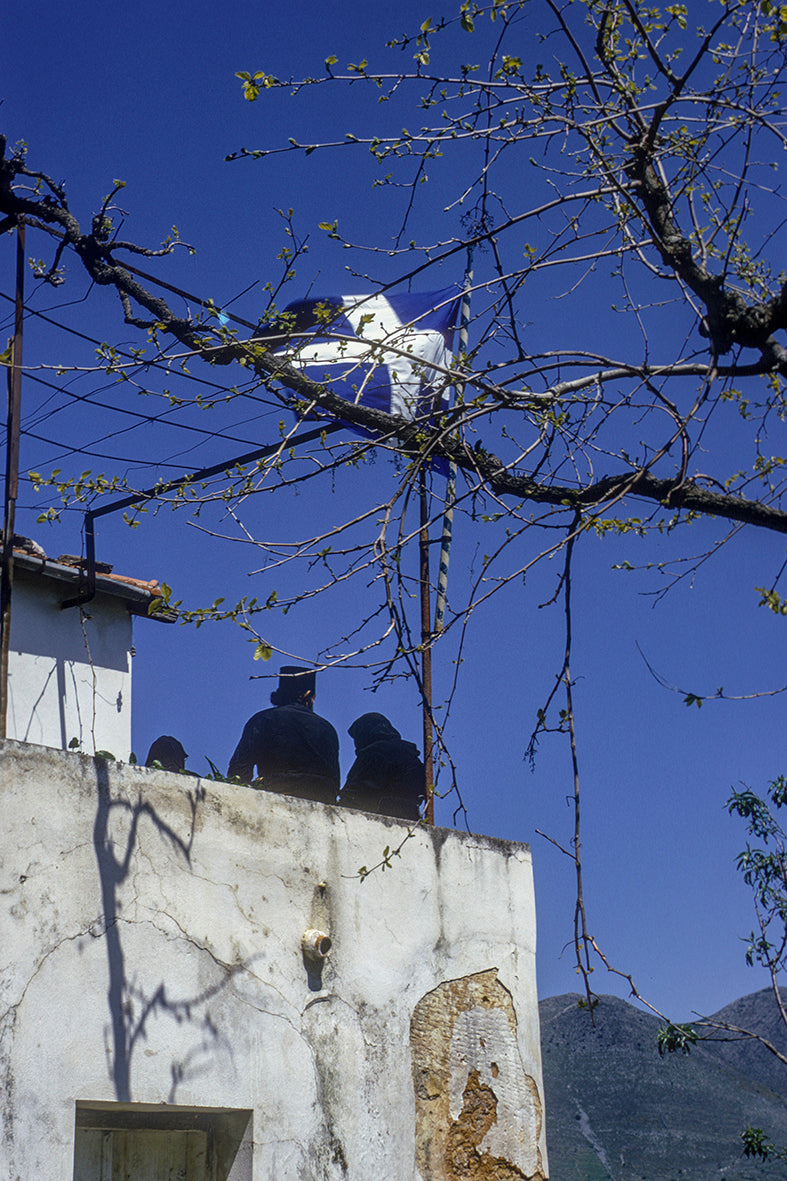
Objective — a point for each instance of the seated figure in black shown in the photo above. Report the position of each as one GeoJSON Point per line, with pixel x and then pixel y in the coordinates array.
{"type": "Point", "coordinates": [294, 750]}
{"type": "Point", "coordinates": [387, 776]}
{"type": "Point", "coordinates": [167, 753]}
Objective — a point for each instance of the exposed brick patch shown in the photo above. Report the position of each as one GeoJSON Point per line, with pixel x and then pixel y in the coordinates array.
{"type": "Point", "coordinates": [463, 1040]}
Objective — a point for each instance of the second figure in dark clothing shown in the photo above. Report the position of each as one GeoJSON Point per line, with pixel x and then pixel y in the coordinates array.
{"type": "Point", "coordinates": [387, 776]}
{"type": "Point", "coordinates": [294, 750]}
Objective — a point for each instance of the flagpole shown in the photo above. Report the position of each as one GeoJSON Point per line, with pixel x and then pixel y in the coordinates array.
{"type": "Point", "coordinates": [426, 646]}
{"type": "Point", "coordinates": [450, 488]}
{"type": "Point", "coordinates": [427, 634]}
{"type": "Point", "coordinates": [11, 477]}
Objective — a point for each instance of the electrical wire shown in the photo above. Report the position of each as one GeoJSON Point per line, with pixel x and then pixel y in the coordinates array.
{"type": "Point", "coordinates": [142, 364]}
{"type": "Point", "coordinates": [46, 411]}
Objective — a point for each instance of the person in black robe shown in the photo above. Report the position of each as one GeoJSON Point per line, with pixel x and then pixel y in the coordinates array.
{"type": "Point", "coordinates": [166, 752]}
{"type": "Point", "coordinates": [294, 750]}
{"type": "Point", "coordinates": [387, 776]}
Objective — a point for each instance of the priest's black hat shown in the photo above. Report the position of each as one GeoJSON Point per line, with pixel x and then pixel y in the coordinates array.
{"type": "Point", "coordinates": [294, 683]}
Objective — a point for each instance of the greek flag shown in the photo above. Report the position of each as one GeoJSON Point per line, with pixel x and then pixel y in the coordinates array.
{"type": "Point", "coordinates": [391, 352]}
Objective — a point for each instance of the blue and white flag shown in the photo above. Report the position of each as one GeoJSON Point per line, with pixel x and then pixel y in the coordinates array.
{"type": "Point", "coordinates": [391, 352]}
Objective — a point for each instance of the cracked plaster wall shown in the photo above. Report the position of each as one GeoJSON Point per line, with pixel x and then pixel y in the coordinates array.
{"type": "Point", "coordinates": [150, 953]}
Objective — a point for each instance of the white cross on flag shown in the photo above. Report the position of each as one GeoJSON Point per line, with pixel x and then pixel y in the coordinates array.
{"type": "Point", "coordinates": [392, 352]}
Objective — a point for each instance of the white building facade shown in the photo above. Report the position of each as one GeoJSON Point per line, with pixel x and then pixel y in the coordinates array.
{"type": "Point", "coordinates": [197, 982]}
{"type": "Point", "coordinates": [69, 668]}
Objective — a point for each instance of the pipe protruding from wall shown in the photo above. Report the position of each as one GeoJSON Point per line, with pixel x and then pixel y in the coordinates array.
{"type": "Point", "coordinates": [315, 945]}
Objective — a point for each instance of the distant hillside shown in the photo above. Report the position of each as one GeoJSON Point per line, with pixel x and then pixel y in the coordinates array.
{"type": "Point", "coordinates": [616, 1111]}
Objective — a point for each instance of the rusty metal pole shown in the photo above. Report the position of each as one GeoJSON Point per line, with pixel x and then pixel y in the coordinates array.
{"type": "Point", "coordinates": [11, 477]}
{"type": "Point", "coordinates": [426, 649]}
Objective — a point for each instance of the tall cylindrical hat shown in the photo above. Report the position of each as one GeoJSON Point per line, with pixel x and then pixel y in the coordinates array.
{"type": "Point", "coordinates": [295, 682]}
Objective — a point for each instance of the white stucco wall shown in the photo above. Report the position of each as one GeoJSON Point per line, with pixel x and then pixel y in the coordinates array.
{"type": "Point", "coordinates": [150, 954]}
{"type": "Point", "coordinates": [69, 670]}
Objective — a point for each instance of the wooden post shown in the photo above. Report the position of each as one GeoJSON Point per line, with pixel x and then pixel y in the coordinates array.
{"type": "Point", "coordinates": [11, 477]}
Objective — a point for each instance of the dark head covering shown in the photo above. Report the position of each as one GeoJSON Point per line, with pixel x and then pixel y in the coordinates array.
{"type": "Point", "coordinates": [387, 776]}
{"type": "Point", "coordinates": [369, 728]}
{"type": "Point", "coordinates": [294, 684]}
{"type": "Point", "coordinates": [168, 752]}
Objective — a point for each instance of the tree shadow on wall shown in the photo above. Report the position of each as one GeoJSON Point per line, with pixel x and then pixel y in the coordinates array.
{"type": "Point", "coordinates": [130, 1006]}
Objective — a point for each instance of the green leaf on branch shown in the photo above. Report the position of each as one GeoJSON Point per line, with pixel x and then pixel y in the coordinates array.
{"type": "Point", "coordinates": [772, 600]}
{"type": "Point", "coordinates": [253, 83]}
{"type": "Point", "coordinates": [672, 1038]}
{"type": "Point", "coordinates": [756, 1144]}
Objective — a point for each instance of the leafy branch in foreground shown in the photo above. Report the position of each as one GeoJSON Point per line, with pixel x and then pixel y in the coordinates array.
{"type": "Point", "coordinates": [756, 1144]}
{"type": "Point", "coordinates": [764, 868]}
{"type": "Point", "coordinates": [673, 1037]}
{"type": "Point", "coordinates": [648, 135]}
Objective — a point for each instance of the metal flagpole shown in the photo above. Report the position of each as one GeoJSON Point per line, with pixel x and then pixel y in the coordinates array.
{"type": "Point", "coordinates": [450, 490]}
{"type": "Point", "coordinates": [11, 477]}
{"type": "Point", "coordinates": [426, 647]}
{"type": "Point", "coordinates": [442, 581]}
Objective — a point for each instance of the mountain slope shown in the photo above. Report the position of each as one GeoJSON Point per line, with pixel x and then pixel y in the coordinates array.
{"type": "Point", "coordinates": [617, 1111]}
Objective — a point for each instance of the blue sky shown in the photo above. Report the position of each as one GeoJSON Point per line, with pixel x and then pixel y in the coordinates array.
{"type": "Point", "coordinates": [147, 93]}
